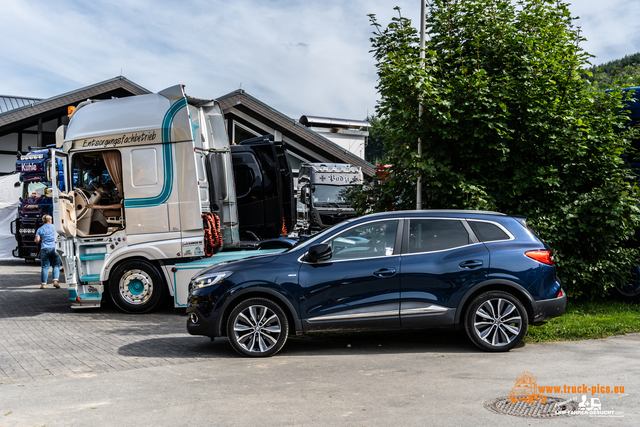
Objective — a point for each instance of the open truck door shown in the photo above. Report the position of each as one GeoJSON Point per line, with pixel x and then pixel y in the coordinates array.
{"type": "Point", "coordinates": [64, 212]}
{"type": "Point", "coordinates": [64, 218]}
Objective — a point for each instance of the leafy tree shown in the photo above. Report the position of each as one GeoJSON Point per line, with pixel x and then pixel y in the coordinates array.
{"type": "Point", "coordinates": [508, 124]}
{"type": "Point", "coordinates": [374, 150]}
{"type": "Point", "coordinates": [617, 73]}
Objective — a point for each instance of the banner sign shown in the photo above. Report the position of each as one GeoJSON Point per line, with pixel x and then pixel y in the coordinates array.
{"type": "Point", "coordinates": [335, 178]}
{"type": "Point", "coordinates": [135, 138]}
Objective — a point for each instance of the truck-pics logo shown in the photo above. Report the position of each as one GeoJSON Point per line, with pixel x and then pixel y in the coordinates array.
{"type": "Point", "coordinates": [526, 389]}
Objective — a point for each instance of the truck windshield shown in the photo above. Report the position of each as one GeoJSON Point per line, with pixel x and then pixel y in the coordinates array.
{"type": "Point", "coordinates": [330, 195]}
{"type": "Point", "coordinates": [35, 190]}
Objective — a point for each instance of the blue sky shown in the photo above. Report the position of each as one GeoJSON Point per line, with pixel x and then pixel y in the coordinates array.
{"type": "Point", "coordinates": [298, 56]}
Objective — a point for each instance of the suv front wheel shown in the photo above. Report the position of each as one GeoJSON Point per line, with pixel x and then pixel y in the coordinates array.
{"type": "Point", "coordinates": [257, 327]}
{"type": "Point", "coordinates": [496, 321]}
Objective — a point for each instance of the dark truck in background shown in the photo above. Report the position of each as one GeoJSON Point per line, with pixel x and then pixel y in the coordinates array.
{"type": "Point", "coordinates": [322, 201]}
{"type": "Point", "coordinates": [264, 189]}
{"type": "Point", "coordinates": [35, 201]}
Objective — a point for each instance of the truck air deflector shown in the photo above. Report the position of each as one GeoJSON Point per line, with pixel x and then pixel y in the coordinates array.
{"type": "Point", "coordinates": [167, 159]}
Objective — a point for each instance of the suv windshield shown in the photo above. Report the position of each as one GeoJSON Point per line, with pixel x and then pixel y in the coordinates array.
{"type": "Point", "coordinates": [317, 238]}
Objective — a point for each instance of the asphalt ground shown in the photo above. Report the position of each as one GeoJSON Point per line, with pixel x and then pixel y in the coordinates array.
{"type": "Point", "coordinates": [101, 367]}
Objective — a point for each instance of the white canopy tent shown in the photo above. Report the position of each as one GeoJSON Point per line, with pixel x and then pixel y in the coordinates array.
{"type": "Point", "coordinates": [9, 200]}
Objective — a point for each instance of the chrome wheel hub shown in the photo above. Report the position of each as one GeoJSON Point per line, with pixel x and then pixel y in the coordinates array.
{"type": "Point", "coordinates": [136, 287]}
{"type": "Point", "coordinates": [497, 322]}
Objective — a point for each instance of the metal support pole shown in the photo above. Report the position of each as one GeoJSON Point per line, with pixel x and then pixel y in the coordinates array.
{"type": "Point", "coordinates": [423, 12]}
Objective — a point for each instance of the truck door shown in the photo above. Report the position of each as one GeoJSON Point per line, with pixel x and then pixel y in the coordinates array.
{"type": "Point", "coordinates": [277, 184]}
{"type": "Point", "coordinates": [286, 179]}
{"type": "Point", "coordinates": [64, 213]}
{"type": "Point", "coordinates": [249, 191]}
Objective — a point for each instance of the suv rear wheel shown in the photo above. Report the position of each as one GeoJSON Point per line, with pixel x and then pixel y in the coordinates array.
{"type": "Point", "coordinates": [496, 321]}
{"type": "Point", "coordinates": [257, 327]}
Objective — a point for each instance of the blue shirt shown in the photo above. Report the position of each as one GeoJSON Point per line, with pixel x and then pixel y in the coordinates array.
{"type": "Point", "coordinates": [47, 236]}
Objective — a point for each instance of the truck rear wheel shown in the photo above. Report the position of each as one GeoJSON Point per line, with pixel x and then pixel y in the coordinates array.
{"type": "Point", "coordinates": [136, 286]}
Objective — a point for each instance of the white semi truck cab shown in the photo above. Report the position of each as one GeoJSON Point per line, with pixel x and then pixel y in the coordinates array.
{"type": "Point", "coordinates": [322, 200]}
{"type": "Point", "coordinates": [144, 179]}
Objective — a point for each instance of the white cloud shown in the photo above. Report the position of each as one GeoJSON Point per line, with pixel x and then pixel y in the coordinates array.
{"type": "Point", "coordinates": [610, 27]}
{"type": "Point", "coordinates": [300, 57]}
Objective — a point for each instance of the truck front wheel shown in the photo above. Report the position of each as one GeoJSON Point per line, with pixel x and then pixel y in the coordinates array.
{"type": "Point", "coordinates": [136, 287]}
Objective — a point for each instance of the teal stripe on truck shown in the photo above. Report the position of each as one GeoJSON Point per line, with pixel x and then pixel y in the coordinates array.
{"type": "Point", "coordinates": [167, 160]}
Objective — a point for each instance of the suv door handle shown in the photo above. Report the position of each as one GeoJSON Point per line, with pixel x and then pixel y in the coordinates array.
{"type": "Point", "coordinates": [385, 272]}
{"type": "Point", "coordinates": [471, 264]}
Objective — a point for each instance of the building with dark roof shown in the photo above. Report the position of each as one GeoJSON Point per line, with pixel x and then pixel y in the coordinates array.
{"type": "Point", "coordinates": [248, 117]}
{"type": "Point", "coordinates": [349, 134]}
{"type": "Point", "coordinates": [30, 122]}
{"type": "Point", "coordinates": [8, 102]}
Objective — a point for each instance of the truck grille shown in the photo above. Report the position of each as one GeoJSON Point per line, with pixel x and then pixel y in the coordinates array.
{"type": "Point", "coordinates": [335, 218]}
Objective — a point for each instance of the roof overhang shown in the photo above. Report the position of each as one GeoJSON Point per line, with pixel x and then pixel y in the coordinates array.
{"type": "Point", "coordinates": [116, 87]}
{"type": "Point", "coordinates": [239, 100]}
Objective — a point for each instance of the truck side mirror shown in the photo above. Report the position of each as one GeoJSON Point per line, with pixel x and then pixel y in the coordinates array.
{"type": "Point", "coordinates": [48, 171]}
{"type": "Point", "coordinates": [306, 195]}
{"type": "Point", "coordinates": [61, 133]}
{"type": "Point", "coordinates": [319, 252]}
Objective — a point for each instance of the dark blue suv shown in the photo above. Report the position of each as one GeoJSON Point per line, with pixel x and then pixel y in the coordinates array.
{"type": "Point", "coordinates": [485, 271]}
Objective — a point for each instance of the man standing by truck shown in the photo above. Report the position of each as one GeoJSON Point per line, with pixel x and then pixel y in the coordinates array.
{"type": "Point", "coordinates": [48, 255]}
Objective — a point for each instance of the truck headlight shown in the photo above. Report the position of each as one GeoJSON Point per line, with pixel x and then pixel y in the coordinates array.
{"type": "Point", "coordinates": [210, 279]}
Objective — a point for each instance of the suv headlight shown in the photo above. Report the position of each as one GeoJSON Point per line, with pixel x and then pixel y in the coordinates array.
{"type": "Point", "coordinates": [210, 279]}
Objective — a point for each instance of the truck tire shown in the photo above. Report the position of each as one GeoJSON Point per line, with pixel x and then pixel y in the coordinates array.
{"type": "Point", "coordinates": [136, 287]}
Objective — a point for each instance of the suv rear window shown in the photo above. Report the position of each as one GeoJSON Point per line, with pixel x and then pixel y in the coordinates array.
{"type": "Point", "coordinates": [488, 232]}
{"type": "Point", "coordinates": [428, 235]}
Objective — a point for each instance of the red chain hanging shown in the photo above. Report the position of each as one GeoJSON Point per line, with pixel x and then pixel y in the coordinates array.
{"type": "Point", "coordinates": [212, 234]}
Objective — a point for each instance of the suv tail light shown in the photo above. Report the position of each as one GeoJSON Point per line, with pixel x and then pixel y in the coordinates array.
{"type": "Point", "coordinates": [544, 257]}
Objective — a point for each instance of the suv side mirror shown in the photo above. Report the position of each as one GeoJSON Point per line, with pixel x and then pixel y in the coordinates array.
{"type": "Point", "coordinates": [319, 252]}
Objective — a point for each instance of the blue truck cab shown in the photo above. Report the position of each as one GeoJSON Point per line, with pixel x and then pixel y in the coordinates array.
{"type": "Point", "coordinates": [35, 201]}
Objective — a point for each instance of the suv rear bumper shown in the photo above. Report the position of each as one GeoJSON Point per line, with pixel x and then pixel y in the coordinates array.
{"type": "Point", "coordinates": [549, 308]}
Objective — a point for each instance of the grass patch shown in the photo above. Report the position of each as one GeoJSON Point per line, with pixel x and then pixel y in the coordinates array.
{"type": "Point", "coordinates": [583, 320]}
